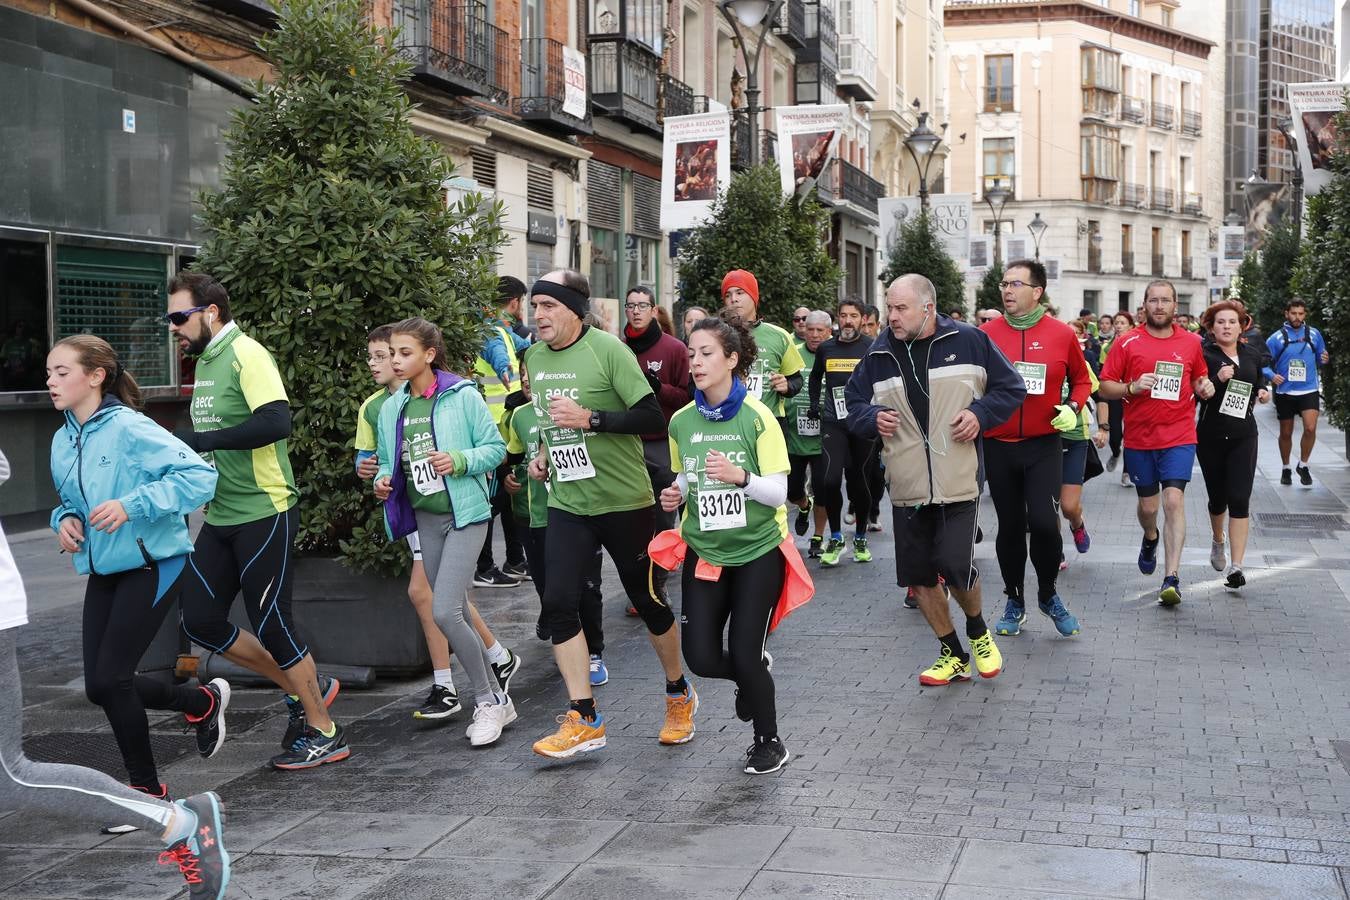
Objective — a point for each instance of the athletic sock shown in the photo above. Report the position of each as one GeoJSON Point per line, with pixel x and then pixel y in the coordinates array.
{"type": "Point", "coordinates": [677, 688]}
{"type": "Point", "coordinates": [295, 697]}
{"type": "Point", "coordinates": [181, 826]}
{"type": "Point", "coordinates": [332, 730]}
{"type": "Point", "coordinates": [498, 654]}
{"type": "Point", "coordinates": [836, 535]}
{"type": "Point", "coordinates": [443, 678]}
{"type": "Point", "coordinates": [952, 644]}
{"type": "Point", "coordinates": [585, 707]}
{"type": "Point", "coordinates": [975, 626]}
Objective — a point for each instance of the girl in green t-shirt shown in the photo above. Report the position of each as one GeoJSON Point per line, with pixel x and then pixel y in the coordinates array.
{"type": "Point", "coordinates": [731, 461]}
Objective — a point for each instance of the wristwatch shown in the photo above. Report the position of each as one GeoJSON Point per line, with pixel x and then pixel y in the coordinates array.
{"type": "Point", "coordinates": [595, 421]}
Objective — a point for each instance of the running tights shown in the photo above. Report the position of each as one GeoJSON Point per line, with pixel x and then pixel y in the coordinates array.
{"type": "Point", "coordinates": [845, 455]}
{"type": "Point", "coordinates": [592, 596]}
{"type": "Point", "coordinates": [1116, 411]}
{"type": "Point", "coordinates": [746, 595]}
{"type": "Point", "coordinates": [1024, 480]}
{"type": "Point", "coordinates": [1229, 467]}
{"type": "Point", "coordinates": [447, 554]}
{"type": "Point", "coordinates": [797, 475]}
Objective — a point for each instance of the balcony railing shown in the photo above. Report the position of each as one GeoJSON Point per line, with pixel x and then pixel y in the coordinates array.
{"type": "Point", "coordinates": [859, 188]}
{"type": "Point", "coordinates": [678, 97]}
{"type": "Point", "coordinates": [1132, 110]}
{"type": "Point", "coordinates": [769, 145]}
{"type": "Point", "coordinates": [623, 76]}
{"type": "Point", "coordinates": [453, 46]}
{"type": "Point", "coordinates": [791, 23]}
{"type": "Point", "coordinates": [1187, 267]}
{"type": "Point", "coordinates": [1190, 122]}
{"type": "Point", "coordinates": [857, 68]}
{"type": "Point", "coordinates": [1157, 270]}
{"type": "Point", "coordinates": [1164, 200]}
{"type": "Point", "coordinates": [1135, 195]}
{"type": "Point", "coordinates": [740, 142]}
{"type": "Point", "coordinates": [1163, 116]}
{"type": "Point", "coordinates": [1127, 262]}
{"type": "Point", "coordinates": [543, 87]}
{"type": "Point", "coordinates": [1192, 205]}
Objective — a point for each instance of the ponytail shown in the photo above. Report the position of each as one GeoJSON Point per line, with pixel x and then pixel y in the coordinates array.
{"type": "Point", "coordinates": [93, 352]}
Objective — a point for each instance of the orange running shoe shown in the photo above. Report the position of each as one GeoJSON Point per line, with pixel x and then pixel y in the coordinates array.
{"type": "Point", "coordinates": [679, 727]}
{"type": "Point", "coordinates": [574, 735]}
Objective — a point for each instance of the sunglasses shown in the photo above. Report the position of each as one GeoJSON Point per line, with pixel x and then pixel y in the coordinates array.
{"type": "Point", "coordinates": [984, 319]}
{"type": "Point", "coordinates": [181, 317]}
{"type": "Point", "coordinates": [799, 318]}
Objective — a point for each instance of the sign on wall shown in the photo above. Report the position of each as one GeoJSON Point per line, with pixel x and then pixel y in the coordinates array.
{"type": "Point", "coordinates": [574, 82]}
{"type": "Point", "coordinates": [951, 220]}
{"type": "Point", "coordinates": [1314, 106]}
{"type": "Point", "coordinates": [695, 166]}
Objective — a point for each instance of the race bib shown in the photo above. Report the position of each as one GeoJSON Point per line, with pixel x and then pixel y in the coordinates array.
{"type": "Point", "coordinates": [570, 460]}
{"type": "Point", "coordinates": [424, 478]}
{"type": "Point", "coordinates": [754, 384]}
{"type": "Point", "coordinates": [1236, 399]}
{"type": "Point", "coordinates": [721, 507]}
{"type": "Point", "coordinates": [807, 426]}
{"type": "Point", "coordinates": [1033, 374]}
{"type": "Point", "coordinates": [1298, 371]}
{"type": "Point", "coordinates": [840, 408]}
{"type": "Point", "coordinates": [1168, 385]}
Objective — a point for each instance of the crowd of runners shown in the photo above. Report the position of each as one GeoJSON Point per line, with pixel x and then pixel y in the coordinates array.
{"type": "Point", "coordinates": [669, 455]}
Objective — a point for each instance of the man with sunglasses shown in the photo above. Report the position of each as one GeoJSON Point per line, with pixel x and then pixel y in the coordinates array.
{"type": "Point", "coordinates": [241, 417]}
{"type": "Point", "coordinates": [985, 316]}
{"type": "Point", "coordinates": [799, 322]}
{"type": "Point", "coordinates": [1022, 455]}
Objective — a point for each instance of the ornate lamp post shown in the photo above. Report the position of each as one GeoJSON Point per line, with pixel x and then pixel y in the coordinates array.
{"type": "Point", "coordinates": [921, 142]}
{"type": "Point", "coordinates": [1037, 228]}
{"type": "Point", "coordinates": [996, 197]}
{"type": "Point", "coordinates": [755, 16]}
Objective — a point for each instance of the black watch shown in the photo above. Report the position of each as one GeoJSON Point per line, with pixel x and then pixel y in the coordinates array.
{"type": "Point", "coordinates": [595, 421]}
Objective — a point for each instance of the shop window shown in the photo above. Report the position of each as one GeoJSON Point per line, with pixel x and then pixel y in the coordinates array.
{"type": "Point", "coordinates": [23, 316]}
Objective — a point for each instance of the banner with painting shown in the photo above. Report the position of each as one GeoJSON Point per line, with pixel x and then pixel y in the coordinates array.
{"type": "Point", "coordinates": [951, 221]}
{"type": "Point", "coordinates": [1314, 106]}
{"type": "Point", "coordinates": [807, 139]}
{"type": "Point", "coordinates": [695, 167]}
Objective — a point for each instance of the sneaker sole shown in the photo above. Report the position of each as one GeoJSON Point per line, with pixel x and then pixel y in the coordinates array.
{"type": "Point", "coordinates": [828, 565]}
{"type": "Point", "coordinates": [926, 681]}
{"type": "Point", "coordinates": [1241, 582]}
{"type": "Point", "coordinates": [1007, 631]}
{"type": "Point", "coordinates": [118, 829]}
{"type": "Point", "coordinates": [1061, 631]}
{"type": "Point", "coordinates": [584, 747]}
{"type": "Point", "coordinates": [492, 584]}
{"type": "Point", "coordinates": [436, 716]}
{"type": "Point", "coordinates": [787, 755]}
{"type": "Point", "coordinates": [334, 687]}
{"type": "Point", "coordinates": [993, 674]}
{"type": "Point", "coordinates": [1169, 597]}
{"type": "Point", "coordinates": [224, 687]}
{"type": "Point", "coordinates": [688, 737]}
{"type": "Point", "coordinates": [862, 559]}
{"type": "Point", "coordinates": [336, 756]}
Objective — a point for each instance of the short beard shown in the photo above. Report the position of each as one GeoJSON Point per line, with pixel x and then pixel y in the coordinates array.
{"type": "Point", "coordinates": [848, 334]}
{"type": "Point", "coordinates": [197, 346]}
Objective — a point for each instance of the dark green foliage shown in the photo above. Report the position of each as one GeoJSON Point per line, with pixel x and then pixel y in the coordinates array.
{"type": "Point", "coordinates": [331, 220]}
{"type": "Point", "coordinates": [779, 239]}
{"type": "Point", "coordinates": [1266, 278]}
{"type": "Point", "coordinates": [988, 295]}
{"type": "Point", "coordinates": [918, 249]}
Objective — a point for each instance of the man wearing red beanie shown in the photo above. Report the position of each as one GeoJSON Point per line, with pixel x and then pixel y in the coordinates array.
{"type": "Point", "coordinates": [777, 372]}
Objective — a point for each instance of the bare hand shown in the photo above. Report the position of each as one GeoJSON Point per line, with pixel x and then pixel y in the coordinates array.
{"type": "Point", "coordinates": [778, 382]}
{"type": "Point", "coordinates": [512, 484]}
{"type": "Point", "coordinates": [108, 516]}
{"type": "Point", "coordinates": [1277, 379]}
{"type": "Point", "coordinates": [1145, 383]}
{"type": "Point", "coordinates": [1263, 396]}
{"type": "Point", "coordinates": [1099, 439]}
{"type": "Point", "coordinates": [888, 420]}
{"type": "Point", "coordinates": [1324, 358]}
{"type": "Point", "coordinates": [71, 534]}
{"type": "Point", "coordinates": [965, 426]}
{"type": "Point", "coordinates": [722, 469]}
{"type": "Point", "coordinates": [671, 498]}
{"type": "Point", "coordinates": [383, 488]}
{"type": "Point", "coordinates": [567, 413]}
{"type": "Point", "coordinates": [1226, 371]}
{"type": "Point", "coordinates": [1203, 387]}
{"type": "Point", "coordinates": [538, 468]}
{"type": "Point", "coordinates": [442, 463]}
{"type": "Point", "coordinates": [367, 468]}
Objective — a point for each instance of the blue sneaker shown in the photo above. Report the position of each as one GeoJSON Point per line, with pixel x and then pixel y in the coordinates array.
{"type": "Point", "coordinates": [599, 671]}
{"type": "Point", "coordinates": [295, 710]}
{"type": "Point", "coordinates": [1065, 621]}
{"type": "Point", "coordinates": [1170, 595]}
{"type": "Point", "coordinates": [1014, 615]}
{"type": "Point", "coordinates": [1148, 555]}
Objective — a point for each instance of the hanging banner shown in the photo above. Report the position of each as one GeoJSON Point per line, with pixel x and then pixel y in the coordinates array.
{"type": "Point", "coordinates": [981, 246]}
{"type": "Point", "coordinates": [574, 82]}
{"type": "Point", "coordinates": [1232, 248]}
{"type": "Point", "coordinates": [807, 139]}
{"type": "Point", "coordinates": [695, 166]}
{"type": "Point", "coordinates": [951, 220]}
{"type": "Point", "coordinates": [1015, 247]}
{"type": "Point", "coordinates": [1314, 107]}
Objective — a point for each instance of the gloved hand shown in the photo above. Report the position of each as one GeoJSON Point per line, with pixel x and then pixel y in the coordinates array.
{"type": "Point", "coordinates": [1065, 419]}
{"type": "Point", "coordinates": [813, 412]}
{"type": "Point", "coordinates": [653, 381]}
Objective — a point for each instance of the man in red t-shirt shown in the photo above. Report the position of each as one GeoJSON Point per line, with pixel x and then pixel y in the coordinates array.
{"type": "Point", "coordinates": [1159, 371]}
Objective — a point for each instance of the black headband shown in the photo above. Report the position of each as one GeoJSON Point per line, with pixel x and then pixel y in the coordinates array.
{"type": "Point", "coordinates": [576, 301]}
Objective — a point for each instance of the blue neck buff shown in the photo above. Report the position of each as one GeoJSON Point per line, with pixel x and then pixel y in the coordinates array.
{"type": "Point", "coordinates": [727, 409]}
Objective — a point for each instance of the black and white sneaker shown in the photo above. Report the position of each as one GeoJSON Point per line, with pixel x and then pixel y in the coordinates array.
{"type": "Point", "coordinates": [506, 671]}
{"type": "Point", "coordinates": [1234, 578]}
{"type": "Point", "coordinates": [518, 571]}
{"type": "Point", "coordinates": [295, 720]}
{"type": "Point", "coordinates": [211, 726]}
{"type": "Point", "coordinates": [1304, 476]}
{"type": "Point", "coordinates": [766, 755]}
{"type": "Point", "coordinates": [493, 578]}
{"type": "Point", "coordinates": [441, 703]}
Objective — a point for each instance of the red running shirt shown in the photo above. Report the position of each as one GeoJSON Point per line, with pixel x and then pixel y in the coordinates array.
{"type": "Point", "coordinates": [1151, 423]}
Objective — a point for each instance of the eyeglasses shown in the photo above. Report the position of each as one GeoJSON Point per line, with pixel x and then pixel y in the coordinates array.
{"type": "Point", "coordinates": [1016, 283]}
{"type": "Point", "coordinates": [799, 318]}
{"type": "Point", "coordinates": [180, 318]}
{"type": "Point", "coordinates": [637, 307]}
{"type": "Point", "coordinates": [377, 358]}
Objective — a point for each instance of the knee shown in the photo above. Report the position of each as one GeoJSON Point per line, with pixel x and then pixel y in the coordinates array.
{"type": "Point", "coordinates": [703, 661]}
{"type": "Point", "coordinates": [1174, 502]}
{"type": "Point", "coordinates": [101, 688]}
{"type": "Point", "coordinates": [561, 610]}
{"type": "Point", "coordinates": [419, 596]}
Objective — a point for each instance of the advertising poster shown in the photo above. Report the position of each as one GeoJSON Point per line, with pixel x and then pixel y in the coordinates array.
{"type": "Point", "coordinates": [695, 167]}
{"type": "Point", "coordinates": [1268, 203]}
{"type": "Point", "coordinates": [807, 139]}
{"type": "Point", "coordinates": [951, 220]}
{"type": "Point", "coordinates": [1051, 264]}
{"type": "Point", "coordinates": [574, 83]}
{"type": "Point", "coordinates": [1232, 247]}
{"type": "Point", "coordinates": [1314, 106]}
{"type": "Point", "coordinates": [981, 247]}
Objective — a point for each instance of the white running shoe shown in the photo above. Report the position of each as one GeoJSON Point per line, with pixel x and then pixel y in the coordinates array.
{"type": "Point", "coordinates": [488, 721]}
{"type": "Point", "coordinates": [1218, 558]}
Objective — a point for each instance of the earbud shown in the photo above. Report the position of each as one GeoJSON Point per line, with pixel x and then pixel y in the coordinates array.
{"type": "Point", "coordinates": [209, 319]}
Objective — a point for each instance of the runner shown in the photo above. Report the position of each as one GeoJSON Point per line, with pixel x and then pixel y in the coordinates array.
{"type": "Point", "coordinates": [843, 451]}
{"type": "Point", "coordinates": [190, 829]}
{"type": "Point", "coordinates": [799, 323]}
{"type": "Point", "coordinates": [125, 486]}
{"type": "Point", "coordinates": [803, 441]}
{"type": "Point", "coordinates": [692, 315]}
{"type": "Point", "coordinates": [732, 465]}
{"type": "Point", "coordinates": [1074, 441]}
{"type": "Point", "coordinates": [442, 700]}
{"type": "Point", "coordinates": [1023, 458]}
{"type": "Point", "coordinates": [985, 316]}
{"type": "Point", "coordinates": [927, 388]}
{"type": "Point", "coordinates": [778, 365]}
{"type": "Point", "coordinates": [593, 402]}
{"type": "Point", "coordinates": [871, 322]}
{"type": "Point", "coordinates": [1159, 370]}
{"type": "Point", "coordinates": [437, 445]}
{"type": "Point", "coordinates": [1227, 434]}
{"type": "Point", "coordinates": [1297, 351]}
{"type": "Point", "coordinates": [241, 416]}
{"type": "Point", "coordinates": [872, 471]}
{"type": "Point", "coordinates": [1121, 325]}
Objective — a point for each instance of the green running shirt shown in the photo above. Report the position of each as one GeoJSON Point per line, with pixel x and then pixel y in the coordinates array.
{"type": "Point", "coordinates": [777, 353]}
{"type": "Point", "coordinates": [368, 420]}
{"type": "Point", "coordinates": [794, 409]}
{"type": "Point", "coordinates": [523, 437]}
{"type": "Point", "coordinates": [418, 443]}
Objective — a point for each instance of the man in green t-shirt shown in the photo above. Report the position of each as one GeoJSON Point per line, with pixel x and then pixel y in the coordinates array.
{"type": "Point", "coordinates": [241, 418]}
{"type": "Point", "coordinates": [802, 433]}
{"type": "Point", "coordinates": [593, 402]}
{"type": "Point", "coordinates": [777, 372]}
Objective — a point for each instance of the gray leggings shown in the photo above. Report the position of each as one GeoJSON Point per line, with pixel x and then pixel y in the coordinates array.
{"type": "Point", "coordinates": [449, 556]}
{"type": "Point", "coordinates": [71, 791]}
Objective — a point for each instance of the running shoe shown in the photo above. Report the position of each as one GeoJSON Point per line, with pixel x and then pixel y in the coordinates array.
{"type": "Point", "coordinates": [832, 550]}
{"type": "Point", "coordinates": [1063, 563]}
{"type": "Point", "coordinates": [493, 578]}
{"type": "Point", "coordinates": [161, 794]}
{"type": "Point", "coordinates": [679, 725]}
{"type": "Point", "coordinates": [506, 671]}
{"type": "Point", "coordinates": [803, 518]}
{"type": "Point", "coordinates": [1304, 476]}
{"type": "Point", "coordinates": [1233, 578]}
{"type": "Point", "coordinates": [1170, 595]}
{"type": "Point", "coordinates": [599, 671]}
{"type": "Point", "coordinates": [441, 703]}
{"type": "Point", "coordinates": [295, 724]}
{"type": "Point", "coordinates": [1124, 478]}
{"type": "Point", "coordinates": [201, 857]}
{"type": "Point", "coordinates": [813, 550]}
{"type": "Point", "coordinates": [860, 552]}
{"type": "Point", "coordinates": [947, 669]}
{"type": "Point", "coordinates": [211, 726]}
{"type": "Point", "coordinates": [765, 755]}
{"type": "Point", "coordinates": [1014, 617]}
{"type": "Point", "coordinates": [1218, 558]}
{"type": "Point", "coordinates": [1112, 462]}
{"type": "Point", "coordinates": [1065, 622]}
{"type": "Point", "coordinates": [1148, 555]}
{"type": "Point", "coordinates": [1082, 541]}
{"type": "Point", "coordinates": [517, 571]}
{"type": "Point", "coordinates": [311, 749]}
{"type": "Point", "coordinates": [911, 599]}
{"type": "Point", "coordinates": [988, 661]}
{"type": "Point", "coordinates": [574, 735]}
{"type": "Point", "coordinates": [488, 721]}
{"type": "Point", "coordinates": [1286, 477]}
{"type": "Point", "coordinates": [874, 526]}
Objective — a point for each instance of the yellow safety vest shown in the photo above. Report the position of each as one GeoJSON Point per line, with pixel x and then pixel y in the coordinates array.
{"type": "Point", "coordinates": [494, 392]}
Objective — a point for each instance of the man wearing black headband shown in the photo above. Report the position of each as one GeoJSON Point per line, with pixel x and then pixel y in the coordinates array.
{"type": "Point", "coordinates": [593, 402]}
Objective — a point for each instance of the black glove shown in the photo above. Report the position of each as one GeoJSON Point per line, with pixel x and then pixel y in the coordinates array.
{"type": "Point", "coordinates": [653, 381]}
{"type": "Point", "coordinates": [189, 437]}
{"type": "Point", "coordinates": [813, 412]}
{"type": "Point", "coordinates": [514, 400]}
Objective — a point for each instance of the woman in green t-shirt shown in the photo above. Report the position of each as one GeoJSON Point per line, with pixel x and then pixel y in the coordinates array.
{"type": "Point", "coordinates": [732, 463]}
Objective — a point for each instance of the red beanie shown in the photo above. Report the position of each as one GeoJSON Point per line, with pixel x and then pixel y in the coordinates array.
{"type": "Point", "coordinates": [743, 280]}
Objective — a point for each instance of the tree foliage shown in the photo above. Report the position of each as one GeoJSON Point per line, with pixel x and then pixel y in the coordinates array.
{"type": "Point", "coordinates": [988, 295]}
{"type": "Point", "coordinates": [919, 249]}
{"type": "Point", "coordinates": [1265, 278]}
{"type": "Point", "coordinates": [331, 220]}
{"type": "Point", "coordinates": [779, 239]}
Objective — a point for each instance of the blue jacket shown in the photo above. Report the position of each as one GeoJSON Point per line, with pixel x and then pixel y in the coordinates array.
{"type": "Point", "coordinates": [494, 351]}
{"type": "Point", "coordinates": [1288, 344]}
{"type": "Point", "coordinates": [461, 426]}
{"type": "Point", "coordinates": [119, 454]}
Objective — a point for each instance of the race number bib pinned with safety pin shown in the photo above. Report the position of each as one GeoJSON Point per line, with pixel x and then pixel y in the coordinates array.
{"type": "Point", "coordinates": [569, 457]}
{"type": "Point", "coordinates": [1168, 385]}
{"type": "Point", "coordinates": [1236, 399]}
{"type": "Point", "coordinates": [1033, 374]}
{"type": "Point", "coordinates": [1298, 372]}
{"type": "Point", "coordinates": [840, 407]}
{"type": "Point", "coordinates": [720, 506]}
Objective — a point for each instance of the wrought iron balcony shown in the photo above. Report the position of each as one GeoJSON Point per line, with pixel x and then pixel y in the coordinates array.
{"type": "Point", "coordinates": [1132, 110]}
{"type": "Point", "coordinates": [453, 47]}
{"type": "Point", "coordinates": [859, 188]}
{"type": "Point", "coordinates": [1163, 116]}
{"type": "Point", "coordinates": [1164, 200]}
{"type": "Point", "coordinates": [857, 68]}
{"type": "Point", "coordinates": [1127, 262]}
{"type": "Point", "coordinates": [1157, 270]}
{"type": "Point", "coordinates": [1192, 205]}
{"type": "Point", "coordinates": [623, 77]}
{"type": "Point", "coordinates": [543, 87]}
{"type": "Point", "coordinates": [677, 97]}
{"type": "Point", "coordinates": [822, 37]}
{"type": "Point", "coordinates": [1190, 122]}
{"type": "Point", "coordinates": [769, 145]}
{"type": "Point", "coordinates": [791, 23]}
{"type": "Point", "coordinates": [1135, 195]}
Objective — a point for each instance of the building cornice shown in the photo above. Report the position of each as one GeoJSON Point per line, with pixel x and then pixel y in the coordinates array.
{"type": "Point", "coordinates": [530, 138]}
{"type": "Point", "coordinates": [448, 130]}
{"type": "Point", "coordinates": [1003, 12]}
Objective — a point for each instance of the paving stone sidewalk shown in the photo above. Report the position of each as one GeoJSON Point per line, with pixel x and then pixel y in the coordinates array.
{"type": "Point", "coordinates": [1162, 753]}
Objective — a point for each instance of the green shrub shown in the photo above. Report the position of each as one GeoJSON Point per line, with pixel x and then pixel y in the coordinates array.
{"type": "Point", "coordinates": [918, 249]}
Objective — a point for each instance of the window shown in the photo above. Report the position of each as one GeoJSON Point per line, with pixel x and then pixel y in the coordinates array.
{"type": "Point", "coordinates": [1134, 11]}
{"type": "Point", "coordinates": [604, 263]}
{"type": "Point", "coordinates": [1166, 18]}
{"type": "Point", "coordinates": [1100, 162]}
{"type": "Point", "coordinates": [23, 316]}
{"type": "Point", "coordinates": [998, 83]}
{"type": "Point", "coordinates": [1101, 81]}
{"type": "Point", "coordinates": [998, 162]}
{"type": "Point", "coordinates": [118, 295]}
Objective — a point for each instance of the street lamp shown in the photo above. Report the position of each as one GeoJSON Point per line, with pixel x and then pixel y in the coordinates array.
{"type": "Point", "coordinates": [751, 15]}
{"type": "Point", "coordinates": [997, 196]}
{"type": "Point", "coordinates": [921, 143]}
{"type": "Point", "coordinates": [1037, 228]}
{"type": "Point", "coordinates": [1287, 129]}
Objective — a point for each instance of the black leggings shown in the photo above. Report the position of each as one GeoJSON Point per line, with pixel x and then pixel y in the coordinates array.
{"type": "Point", "coordinates": [1116, 411]}
{"type": "Point", "coordinates": [1024, 480]}
{"type": "Point", "coordinates": [845, 454]}
{"type": "Point", "coordinates": [254, 557]}
{"type": "Point", "coordinates": [591, 593]}
{"type": "Point", "coordinates": [876, 479]}
{"type": "Point", "coordinates": [503, 510]}
{"type": "Point", "coordinates": [569, 552]}
{"type": "Point", "coordinates": [122, 615]}
{"type": "Point", "coordinates": [747, 595]}
{"type": "Point", "coordinates": [1229, 467]}
{"type": "Point", "coordinates": [797, 476]}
